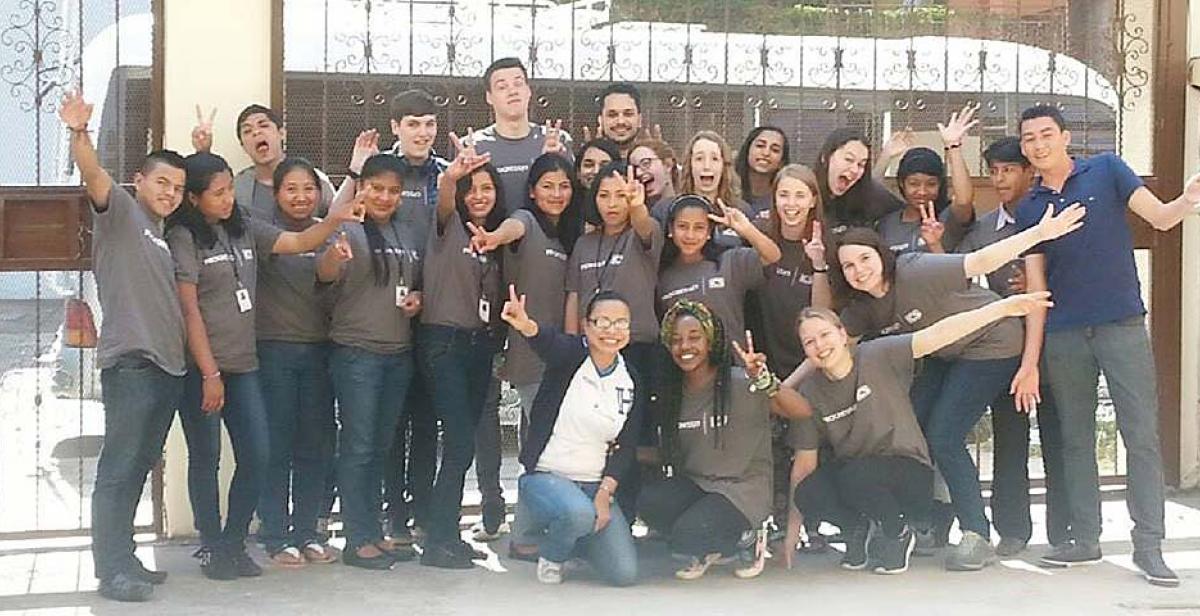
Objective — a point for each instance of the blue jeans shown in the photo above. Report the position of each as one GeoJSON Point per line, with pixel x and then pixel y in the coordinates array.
{"type": "Point", "coordinates": [299, 403]}
{"type": "Point", "coordinates": [245, 419]}
{"type": "Point", "coordinates": [1075, 358]}
{"type": "Point", "coordinates": [565, 512]}
{"type": "Point", "coordinates": [370, 390]}
{"type": "Point", "coordinates": [458, 366]}
{"type": "Point", "coordinates": [139, 403]}
{"type": "Point", "coordinates": [948, 412]}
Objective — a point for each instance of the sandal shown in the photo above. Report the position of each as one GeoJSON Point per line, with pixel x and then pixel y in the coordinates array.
{"type": "Point", "coordinates": [288, 558]}
{"type": "Point", "coordinates": [319, 554]}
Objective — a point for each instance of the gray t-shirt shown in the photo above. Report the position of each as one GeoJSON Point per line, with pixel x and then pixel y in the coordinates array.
{"type": "Point", "coordinates": [868, 412]}
{"type": "Point", "coordinates": [736, 463]}
{"type": "Point", "coordinates": [220, 272]}
{"type": "Point", "coordinates": [513, 157]}
{"type": "Point", "coordinates": [537, 264]}
{"type": "Point", "coordinates": [258, 199]}
{"type": "Point", "coordinates": [984, 233]}
{"type": "Point", "coordinates": [720, 286]}
{"type": "Point", "coordinates": [135, 276]}
{"type": "Point", "coordinates": [928, 288]}
{"type": "Point", "coordinates": [905, 236]}
{"type": "Point", "coordinates": [458, 280]}
{"type": "Point", "coordinates": [786, 292]}
{"type": "Point", "coordinates": [622, 263]}
{"type": "Point", "coordinates": [289, 309]}
{"type": "Point", "coordinates": [364, 311]}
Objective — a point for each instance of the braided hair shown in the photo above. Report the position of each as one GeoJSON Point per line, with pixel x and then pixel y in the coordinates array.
{"type": "Point", "coordinates": [671, 394]}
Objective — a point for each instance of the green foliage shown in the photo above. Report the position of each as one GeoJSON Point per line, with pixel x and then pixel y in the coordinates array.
{"type": "Point", "coordinates": [788, 17]}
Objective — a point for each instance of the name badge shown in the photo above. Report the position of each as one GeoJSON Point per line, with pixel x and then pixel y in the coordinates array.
{"type": "Point", "coordinates": [485, 310]}
{"type": "Point", "coordinates": [243, 300]}
{"type": "Point", "coordinates": [401, 293]}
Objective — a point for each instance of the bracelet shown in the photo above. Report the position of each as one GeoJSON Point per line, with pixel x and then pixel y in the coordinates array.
{"type": "Point", "coordinates": [215, 375]}
{"type": "Point", "coordinates": [78, 130]}
{"type": "Point", "coordinates": [820, 270]}
{"type": "Point", "coordinates": [352, 174]}
{"type": "Point", "coordinates": [766, 382]}
{"type": "Point", "coordinates": [953, 146]}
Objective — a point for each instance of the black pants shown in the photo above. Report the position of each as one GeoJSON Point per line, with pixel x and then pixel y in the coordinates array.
{"type": "Point", "coordinates": [408, 475]}
{"type": "Point", "coordinates": [1010, 481]}
{"type": "Point", "coordinates": [488, 454]}
{"type": "Point", "coordinates": [698, 522]}
{"type": "Point", "coordinates": [893, 491]}
{"type": "Point", "coordinates": [644, 357]}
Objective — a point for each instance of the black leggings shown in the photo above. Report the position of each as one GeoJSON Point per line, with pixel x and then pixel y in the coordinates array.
{"type": "Point", "coordinates": [698, 523]}
{"type": "Point", "coordinates": [891, 490]}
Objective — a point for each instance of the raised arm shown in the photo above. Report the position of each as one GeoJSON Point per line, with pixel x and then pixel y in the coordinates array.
{"type": "Point", "coordinates": [640, 219]}
{"type": "Point", "coordinates": [509, 231]}
{"type": "Point", "coordinates": [330, 265]}
{"type": "Point", "coordinates": [466, 161]}
{"type": "Point", "coordinates": [953, 132]}
{"type": "Point", "coordinates": [366, 145]}
{"type": "Point", "coordinates": [1163, 216]}
{"type": "Point", "coordinates": [296, 242]}
{"type": "Point", "coordinates": [895, 147]}
{"type": "Point", "coordinates": [75, 114]}
{"type": "Point", "coordinates": [991, 257]}
{"type": "Point", "coordinates": [785, 401]}
{"type": "Point", "coordinates": [955, 327]}
{"type": "Point", "coordinates": [814, 248]}
{"type": "Point", "coordinates": [768, 251]}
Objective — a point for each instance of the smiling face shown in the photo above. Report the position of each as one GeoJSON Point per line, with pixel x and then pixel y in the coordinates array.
{"type": "Point", "coordinates": [382, 194]}
{"type": "Point", "coordinates": [216, 202]}
{"type": "Point", "coordinates": [620, 118]}
{"type": "Point", "coordinates": [794, 201]}
{"type": "Point", "coordinates": [416, 135]}
{"type": "Point", "coordinates": [261, 139]}
{"type": "Point", "coordinates": [611, 203]}
{"type": "Point", "coordinates": [690, 231]}
{"type": "Point", "coordinates": [766, 152]}
{"type": "Point", "coordinates": [1011, 180]}
{"type": "Point", "coordinates": [650, 169]}
{"type": "Point", "coordinates": [919, 189]}
{"type": "Point", "coordinates": [298, 194]}
{"type": "Point", "coordinates": [846, 166]}
{"type": "Point", "coordinates": [509, 93]}
{"type": "Point", "coordinates": [688, 344]}
{"type": "Point", "coordinates": [1044, 143]}
{"type": "Point", "coordinates": [824, 343]}
{"type": "Point", "coordinates": [707, 165]}
{"type": "Point", "coordinates": [607, 326]}
{"type": "Point", "coordinates": [552, 193]}
{"type": "Point", "coordinates": [161, 189]}
{"type": "Point", "coordinates": [863, 268]}
{"type": "Point", "coordinates": [481, 197]}
{"type": "Point", "coordinates": [590, 163]}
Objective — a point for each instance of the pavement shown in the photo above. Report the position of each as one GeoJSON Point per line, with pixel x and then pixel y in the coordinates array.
{"type": "Point", "coordinates": [59, 582]}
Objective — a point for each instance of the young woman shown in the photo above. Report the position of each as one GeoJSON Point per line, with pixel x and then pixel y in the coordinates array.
{"type": "Point", "coordinates": [716, 435]}
{"type": "Point", "coordinates": [592, 157]}
{"type": "Point", "coordinates": [293, 355]}
{"type": "Point", "coordinates": [694, 267]}
{"type": "Point", "coordinates": [931, 221]}
{"type": "Point", "coordinates": [583, 434]}
{"type": "Point", "coordinates": [657, 169]}
{"type": "Point", "coordinates": [374, 277]}
{"type": "Point", "coordinates": [216, 248]}
{"type": "Point", "coordinates": [885, 294]}
{"type": "Point", "coordinates": [764, 152]}
{"type": "Point", "coordinates": [708, 172]}
{"type": "Point", "coordinates": [460, 334]}
{"type": "Point", "coordinates": [881, 473]}
{"type": "Point", "coordinates": [851, 196]}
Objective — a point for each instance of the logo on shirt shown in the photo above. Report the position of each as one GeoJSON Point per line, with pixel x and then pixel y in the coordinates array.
{"type": "Point", "coordinates": [221, 258]}
{"type": "Point", "coordinates": [862, 393]}
{"type": "Point", "coordinates": [247, 254]}
{"type": "Point", "coordinates": [624, 400]}
{"type": "Point", "coordinates": [846, 412]}
{"type": "Point", "coordinates": [157, 241]}
{"type": "Point", "coordinates": [899, 247]}
{"type": "Point", "coordinates": [890, 329]}
{"type": "Point", "coordinates": [716, 282]}
{"type": "Point", "coordinates": [512, 169]}
{"type": "Point", "coordinates": [730, 232]}
{"type": "Point", "coordinates": [913, 316]}
{"type": "Point", "coordinates": [412, 194]}
{"type": "Point", "coordinates": [555, 254]}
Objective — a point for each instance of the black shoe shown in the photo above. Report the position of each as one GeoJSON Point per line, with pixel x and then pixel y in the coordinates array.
{"type": "Point", "coordinates": [1072, 555]}
{"type": "Point", "coordinates": [493, 516]}
{"type": "Point", "coordinates": [893, 554]}
{"type": "Point", "coordinates": [1154, 569]}
{"type": "Point", "coordinates": [216, 564]}
{"type": "Point", "coordinates": [139, 571]}
{"type": "Point", "coordinates": [465, 549]}
{"type": "Point", "coordinates": [401, 554]}
{"type": "Point", "coordinates": [244, 565]}
{"type": "Point", "coordinates": [126, 587]}
{"type": "Point", "coordinates": [402, 535]}
{"type": "Point", "coordinates": [445, 557]}
{"type": "Point", "coordinates": [855, 558]}
{"type": "Point", "coordinates": [382, 562]}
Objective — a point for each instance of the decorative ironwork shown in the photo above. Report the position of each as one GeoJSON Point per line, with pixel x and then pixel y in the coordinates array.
{"type": "Point", "coordinates": [39, 41]}
{"type": "Point", "coordinates": [1131, 45]}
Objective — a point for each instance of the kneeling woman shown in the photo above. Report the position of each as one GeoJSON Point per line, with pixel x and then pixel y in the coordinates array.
{"type": "Point", "coordinates": [583, 433]}
{"type": "Point", "coordinates": [882, 473]}
{"type": "Point", "coordinates": [716, 435]}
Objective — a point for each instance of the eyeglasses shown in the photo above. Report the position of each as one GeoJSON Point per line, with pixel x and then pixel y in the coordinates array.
{"type": "Point", "coordinates": [646, 163]}
{"type": "Point", "coordinates": [605, 323]}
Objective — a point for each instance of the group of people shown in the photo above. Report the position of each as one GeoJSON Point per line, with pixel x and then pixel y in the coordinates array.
{"type": "Point", "coordinates": [715, 344]}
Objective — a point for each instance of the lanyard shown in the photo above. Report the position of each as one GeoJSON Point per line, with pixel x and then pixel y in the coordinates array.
{"type": "Point", "coordinates": [235, 258]}
{"type": "Point", "coordinates": [618, 248]}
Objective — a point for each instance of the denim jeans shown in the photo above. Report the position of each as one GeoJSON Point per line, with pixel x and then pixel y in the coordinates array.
{"type": "Point", "coordinates": [487, 458]}
{"type": "Point", "coordinates": [370, 389]}
{"type": "Point", "coordinates": [299, 402]}
{"type": "Point", "coordinates": [408, 474]}
{"type": "Point", "coordinates": [947, 413]}
{"type": "Point", "coordinates": [520, 534]}
{"type": "Point", "coordinates": [139, 404]}
{"type": "Point", "coordinates": [564, 510]}
{"type": "Point", "coordinates": [1075, 359]}
{"type": "Point", "coordinates": [245, 418]}
{"type": "Point", "coordinates": [458, 366]}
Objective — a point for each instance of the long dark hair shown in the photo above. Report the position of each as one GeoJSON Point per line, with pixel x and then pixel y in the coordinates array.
{"type": "Point", "coordinates": [591, 213]}
{"type": "Point", "coordinates": [854, 206]}
{"type": "Point", "coordinates": [200, 169]}
{"type": "Point", "coordinates": [290, 164]}
{"type": "Point", "coordinates": [570, 222]}
{"type": "Point", "coordinates": [381, 265]}
{"type": "Point", "coordinates": [859, 236]}
{"type": "Point", "coordinates": [671, 391]}
{"type": "Point", "coordinates": [742, 162]}
{"type": "Point", "coordinates": [498, 213]}
{"type": "Point", "coordinates": [711, 250]}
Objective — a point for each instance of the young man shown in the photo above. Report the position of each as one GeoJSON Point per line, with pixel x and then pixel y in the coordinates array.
{"type": "Point", "coordinates": [1011, 176]}
{"type": "Point", "coordinates": [261, 134]}
{"type": "Point", "coordinates": [1097, 325]}
{"type": "Point", "coordinates": [141, 351]}
{"type": "Point", "coordinates": [620, 115]}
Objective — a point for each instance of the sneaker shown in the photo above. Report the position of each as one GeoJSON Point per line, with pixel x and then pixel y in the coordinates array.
{"type": "Point", "coordinates": [244, 565]}
{"type": "Point", "coordinates": [443, 556]}
{"type": "Point", "coordinates": [697, 567]}
{"type": "Point", "coordinates": [126, 587]}
{"type": "Point", "coordinates": [1072, 555]}
{"type": "Point", "coordinates": [468, 550]}
{"type": "Point", "coordinates": [493, 515]}
{"type": "Point", "coordinates": [752, 559]}
{"type": "Point", "coordinates": [150, 576]}
{"type": "Point", "coordinates": [893, 555]}
{"type": "Point", "coordinates": [1009, 547]}
{"type": "Point", "coordinates": [973, 553]}
{"type": "Point", "coordinates": [927, 543]}
{"type": "Point", "coordinates": [1154, 568]}
{"type": "Point", "coordinates": [481, 534]}
{"type": "Point", "coordinates": [549, 572]}
{"type": "Point", "coordinates": [216, 564]}
{"type": "Point", "coordinates": [855, 558]}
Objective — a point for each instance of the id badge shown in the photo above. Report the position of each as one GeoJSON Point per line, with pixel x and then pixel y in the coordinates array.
{"type": "Point", "coordinates": [485, 310]}
{"type": "Point", "coordinates": [401, 293]}
{"type": "Point", "coordinates": [243, 300]}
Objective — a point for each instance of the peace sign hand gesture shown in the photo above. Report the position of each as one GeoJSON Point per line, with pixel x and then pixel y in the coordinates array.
{"type": "Point", "coordinates": [932, 229]}
{"type": "Point", "coordinates": [731, 217]}
{"type": "Point", "coordinates": [467, 159]}
{"type": "Point", "coordinates": [554, 142]}
{"type": "Point", "coordinates": [515, 315]}
{"type": "Point", "coordinates": [755, 362]}
{"type": "Point", "coordinates": [202, 134]}
{"type": "Point", "coordinates": [960, 122]}
{"type": "Point", "coordinates": [634, 191]}
{"type": "Point", "coordinates": [481, 240]}
{"type": "Point", "coordinates": [588, 135]}
{"type": "Point", "coordinates": [815, 247]}
{"type": "Point", "coordinates": [366, 145]}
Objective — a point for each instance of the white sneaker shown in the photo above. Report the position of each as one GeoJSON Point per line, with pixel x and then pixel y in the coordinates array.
{"type": "Point", "coordinates": [697, 567]}
{"type": "Point", "coordinates": [549, 572]}
{"type": "Point", "coordinates": [480, 534]}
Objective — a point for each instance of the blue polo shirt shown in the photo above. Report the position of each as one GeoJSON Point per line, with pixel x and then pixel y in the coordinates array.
{"type": "Point", "coordinates": [1090, 272]}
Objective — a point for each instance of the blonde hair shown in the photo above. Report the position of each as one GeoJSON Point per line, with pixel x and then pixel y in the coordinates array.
{"type": "Point", "coordinates": [824, 314]}
{"type": "Point", "coordinates": [728, 188]}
